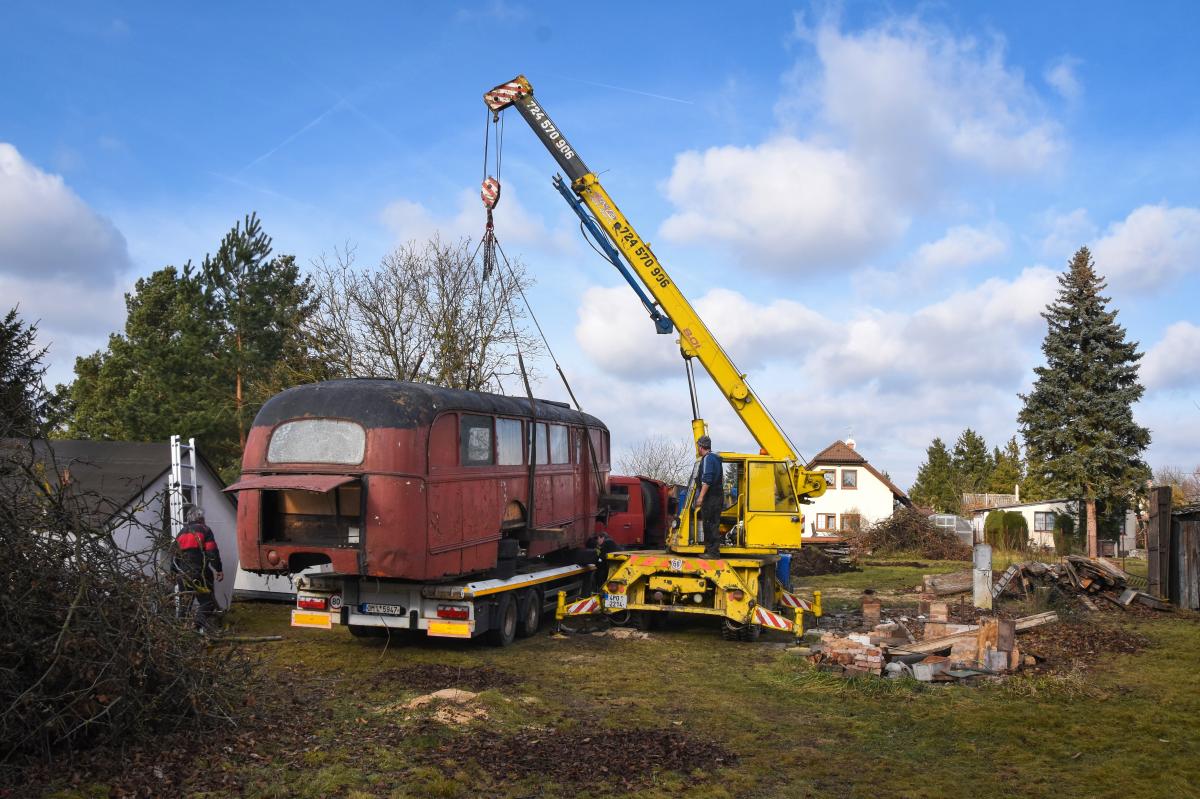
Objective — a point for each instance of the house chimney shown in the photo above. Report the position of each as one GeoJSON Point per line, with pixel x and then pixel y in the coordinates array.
{"type": "Point", "coordinates": [850, 443]}
{"type": "Point", "coordinates": [1017, 492]}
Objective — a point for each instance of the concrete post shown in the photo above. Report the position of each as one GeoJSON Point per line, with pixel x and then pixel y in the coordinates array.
{"type": "Point", "coordinates": [982, 578]}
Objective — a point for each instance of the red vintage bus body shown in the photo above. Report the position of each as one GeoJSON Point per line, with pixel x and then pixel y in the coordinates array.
{"type": "Point", "coordinates": [398, 480]}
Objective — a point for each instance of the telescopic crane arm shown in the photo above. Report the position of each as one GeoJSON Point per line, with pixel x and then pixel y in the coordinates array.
{"type": "Point", "coordinates": [695, 339]}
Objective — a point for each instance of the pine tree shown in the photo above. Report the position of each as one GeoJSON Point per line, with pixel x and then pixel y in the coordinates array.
{"type": "Point", "coordinates": [1008, 471]}
{"type": "Point", "coordinates": [972, 463]}
{"type": "Point", "coordinates": [260, 303]}
{"type": "Point", "coordinates": [1078, 420]}
{"type": "Point", "coordinates": [936, 485]}
{"type": "Point", "coordinates": [161, 375]}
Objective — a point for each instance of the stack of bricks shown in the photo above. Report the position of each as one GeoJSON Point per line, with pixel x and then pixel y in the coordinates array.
{"type": "Point", "coordinates": [854, 654]}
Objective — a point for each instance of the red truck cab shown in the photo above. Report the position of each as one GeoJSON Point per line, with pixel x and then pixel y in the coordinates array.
{"type": "Point", "coordinates": [637, 511]}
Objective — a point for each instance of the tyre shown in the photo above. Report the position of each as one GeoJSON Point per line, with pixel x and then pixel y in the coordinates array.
{"type": "Point", "coordinates": [504, 629]}
{"type": "Point", "coordinates": [530, 606]}
{"type": "Point", "coordinates": [750, 632]}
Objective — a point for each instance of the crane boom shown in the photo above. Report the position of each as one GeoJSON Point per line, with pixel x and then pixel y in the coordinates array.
{"type": "Point", "coordinates": [695, 339]}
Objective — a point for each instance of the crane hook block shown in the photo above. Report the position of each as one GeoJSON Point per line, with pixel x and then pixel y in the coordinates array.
{"type": "Point", "coordinates": [490, 192]}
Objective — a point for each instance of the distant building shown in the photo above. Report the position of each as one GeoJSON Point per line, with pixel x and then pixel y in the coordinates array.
{"type": "Point", "coordinates": [858, 494]}
{"type": "Point", "coordinates": [1041, 516]}
{"type": "Point", "coordinates": [123, 485]}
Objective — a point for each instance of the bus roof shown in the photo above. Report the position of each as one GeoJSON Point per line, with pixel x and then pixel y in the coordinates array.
{"type": "Point", "coordinates": [395, 403]}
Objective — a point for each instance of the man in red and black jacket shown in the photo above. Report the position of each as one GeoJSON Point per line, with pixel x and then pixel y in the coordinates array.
{"type": "Point", "coordinates": [198, 560]}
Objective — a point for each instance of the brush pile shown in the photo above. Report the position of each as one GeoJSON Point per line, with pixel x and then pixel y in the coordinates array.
{"type": "Point", "coordinates": [907, 530]}
{"type": "Point", "coordinates": [90, 650]}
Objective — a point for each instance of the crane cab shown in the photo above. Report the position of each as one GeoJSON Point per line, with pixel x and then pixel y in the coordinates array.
{"type": "Point", "coordinates": [761, 512]}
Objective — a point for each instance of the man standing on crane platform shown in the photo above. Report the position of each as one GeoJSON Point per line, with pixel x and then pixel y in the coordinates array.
{"type": "Point", "coordinates": [711, 497]}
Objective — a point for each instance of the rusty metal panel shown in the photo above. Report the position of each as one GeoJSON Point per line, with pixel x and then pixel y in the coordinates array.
{"type": "Point", "coordinates": [315, 483]}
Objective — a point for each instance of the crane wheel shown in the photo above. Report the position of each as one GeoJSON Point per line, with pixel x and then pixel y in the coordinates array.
{"type": "Point", "coordinates": [732, 631]}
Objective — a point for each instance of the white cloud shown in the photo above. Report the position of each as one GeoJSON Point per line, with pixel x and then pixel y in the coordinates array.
{"type": "Point", "coordinates": [1061, 75]}
{"type": "Point", "coordinates": [1174, 362]}
{"type": "Point", "coordinates": [409, 220]}
{"type": "Point", "coordinates": [901, 108]}
{"type": "Point", "coordinates": [961, 246]}
{"type": "Point", "coordinates": [916, 95]}
{"type": "Point", "coordinates": [786, 204]}
{"type": "Point", "coordinates": [47, 231]}
{"type": "Point", "coordinates": [1150, 248]}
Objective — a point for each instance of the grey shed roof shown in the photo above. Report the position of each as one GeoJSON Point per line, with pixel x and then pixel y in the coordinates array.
{"type": "Point", "coordinates": [109, 474]}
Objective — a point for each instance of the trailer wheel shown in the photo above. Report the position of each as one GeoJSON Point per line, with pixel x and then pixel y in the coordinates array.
{"type": "Point", "coordinates": [506, 622]}
{"type": "Point", "coordinates": [530, 603]}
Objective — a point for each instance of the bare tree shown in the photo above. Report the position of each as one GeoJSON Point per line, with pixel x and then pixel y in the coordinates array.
{"type": "Point", "coordinates": [1185, 485]}
{"type": "Point", "coordinates": [427, 314]}
{"type": "Point", "coordinates": [659, 457]}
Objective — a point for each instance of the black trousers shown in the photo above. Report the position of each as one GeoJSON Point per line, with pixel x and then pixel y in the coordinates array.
{"type": "Point", "coordinates": [710, 519]}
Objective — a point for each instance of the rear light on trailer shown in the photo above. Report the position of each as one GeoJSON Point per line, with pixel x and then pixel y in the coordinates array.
{"type": "Point", "coordinates": [310, 602]}
{"type": "Point", "coordinates": [453, 612]}
{"type": "Point", "coordinates": [615, 588]}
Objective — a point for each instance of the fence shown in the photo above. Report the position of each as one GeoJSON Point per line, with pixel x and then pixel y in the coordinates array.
{"type": "Point", "coordinates": [1173, 548]}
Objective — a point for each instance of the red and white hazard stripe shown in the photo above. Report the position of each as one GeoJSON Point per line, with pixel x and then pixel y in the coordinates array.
{"type": "Point", "coordinates": [790, 600]}
{"type": "Point", "coordinates": [583, 607]}
{"type": "Point", "coordinates": [490, 192]}
{"type": "Point", "coordinates": [768, 619]}
{"type": "Point", "coordinates": [504, 95]}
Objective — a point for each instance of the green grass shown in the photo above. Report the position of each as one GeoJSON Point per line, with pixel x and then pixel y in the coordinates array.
{"type": "Point", "coordinates": [798, 732]}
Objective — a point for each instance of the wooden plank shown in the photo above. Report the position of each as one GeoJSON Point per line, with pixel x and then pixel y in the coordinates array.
{"type": "Point", "coordinates": [952, 583]}
{"type": "Point", "coordinates": [1189, 568]}
{"type": "Point", "coordinates": [947, 641]}
{"type": "Point", "coordinates": [1158, 536]}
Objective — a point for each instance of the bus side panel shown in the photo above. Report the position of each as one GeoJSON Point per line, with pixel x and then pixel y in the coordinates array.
{"type": "Point", "coordinates": [464, 524]}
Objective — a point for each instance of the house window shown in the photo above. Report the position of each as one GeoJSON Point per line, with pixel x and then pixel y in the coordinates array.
{"type": "Point", "coordinates": [475, 439]}
{"type": "Point", "coordinates": [827, 522]}
{"type": "Point", "coordinates": [851, 522]}
{"type": "Point", "coordinates": [831, 478]}
{"type": "Point", "coordinates": [508, 442]}
{"type": "Point", "coordinates": [1043, 522]}
{"type": "Point", "coordinates": [849, 478]}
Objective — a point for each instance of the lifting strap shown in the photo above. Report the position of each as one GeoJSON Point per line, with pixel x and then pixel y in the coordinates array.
{"type": "Point", "coordinates": [490, 246]}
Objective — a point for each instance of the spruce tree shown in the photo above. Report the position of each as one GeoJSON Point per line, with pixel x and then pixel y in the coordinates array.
{"type": "Point", "coordinates": [1078, 420]}
{"type": "Point", "coordinates": [24, 402]}
{"type": "Point", "coordinates": [1008, 469]}
{"type": "Point", "coordinates": [972, 463]}
{"type": "Point", "coordinates": [936, 485]}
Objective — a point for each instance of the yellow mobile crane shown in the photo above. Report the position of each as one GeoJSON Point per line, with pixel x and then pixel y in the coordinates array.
{"type": "Point", "coordinates": [762, 515]}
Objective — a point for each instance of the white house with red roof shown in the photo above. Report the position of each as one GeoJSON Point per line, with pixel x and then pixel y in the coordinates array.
{"type": "Point", "coordinates": [857, 493]}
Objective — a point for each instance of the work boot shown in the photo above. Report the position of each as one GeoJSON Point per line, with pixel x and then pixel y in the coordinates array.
{"type": "Point", "coordinates": [711, 551]}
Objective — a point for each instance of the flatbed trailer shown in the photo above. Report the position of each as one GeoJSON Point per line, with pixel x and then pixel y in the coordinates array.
{"type": "Point", "coordinates": [498, 609]}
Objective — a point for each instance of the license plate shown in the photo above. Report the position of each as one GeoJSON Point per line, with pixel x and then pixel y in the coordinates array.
{"type": "Point", "coordinates": [615, 600]}
{"type": "Point", "coordinates": [382, 610]}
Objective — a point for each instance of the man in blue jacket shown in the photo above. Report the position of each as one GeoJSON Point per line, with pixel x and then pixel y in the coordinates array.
{"type": "Point", "coordinates": [711, 497]}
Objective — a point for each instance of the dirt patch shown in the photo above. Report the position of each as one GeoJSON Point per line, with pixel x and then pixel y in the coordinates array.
{"type": "Point", "coordinates": [628, 758]}
{"type": "Point", "coordinates": [436, 676]}
{"type": "Point", "coordinates": [1078, 644]}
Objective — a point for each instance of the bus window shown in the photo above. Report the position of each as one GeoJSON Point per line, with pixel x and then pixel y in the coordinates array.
{"type": "Point", "coordinates": [540, 444]}
{"type": "Point", "coordinates": [560, 452]}
{"type": "Point", "coordinates": [475, 440]}
{"type": "Point", "coordinates": [509, 451]}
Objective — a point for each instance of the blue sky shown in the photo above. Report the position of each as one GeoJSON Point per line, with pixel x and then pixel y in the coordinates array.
{"type": "Point", "coordinates": [867, 203]}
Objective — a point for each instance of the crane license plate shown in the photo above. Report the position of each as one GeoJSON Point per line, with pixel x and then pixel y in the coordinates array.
{"type": "Point", "coordinates": [615, 600]}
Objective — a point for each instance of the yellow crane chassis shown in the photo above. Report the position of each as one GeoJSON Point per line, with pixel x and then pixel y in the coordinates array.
{"type": "Point", "coordinates": [740, 589]}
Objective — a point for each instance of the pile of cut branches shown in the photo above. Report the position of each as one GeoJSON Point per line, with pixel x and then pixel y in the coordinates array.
{"type": "Point", "coordinates": [90, 649]}
{"type": "Point", "coordinates": [908, 530]}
